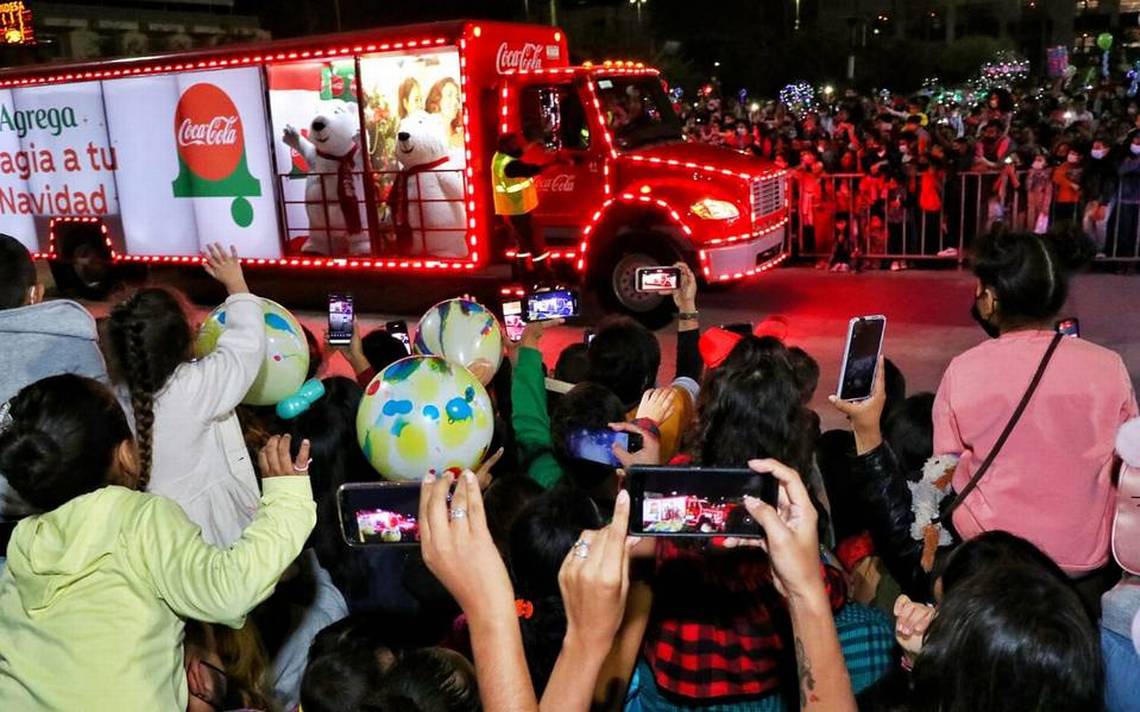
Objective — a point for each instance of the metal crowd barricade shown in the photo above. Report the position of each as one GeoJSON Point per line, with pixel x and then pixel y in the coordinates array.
{"type": "Point", "coordinates": [890, 224]}
{"type": "Point", "coordinates": [387, 236]}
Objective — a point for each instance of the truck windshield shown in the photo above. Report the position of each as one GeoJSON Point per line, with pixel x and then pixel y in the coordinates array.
{"type": "Point", "coordinates": [637, 111]}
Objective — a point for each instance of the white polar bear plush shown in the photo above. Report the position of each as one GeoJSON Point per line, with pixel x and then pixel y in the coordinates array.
{"type": "Point", "coordinates": [427, 199]}
{"type": "Point", "coordinates": [334, 157]}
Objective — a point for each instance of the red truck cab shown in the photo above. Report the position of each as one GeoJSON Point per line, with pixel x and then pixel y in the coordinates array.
{"type": "Point", "coordinates": [635, 193]}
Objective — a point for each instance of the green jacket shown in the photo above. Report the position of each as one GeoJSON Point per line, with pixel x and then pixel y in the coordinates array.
{"type": "Point", "coordinates": [94, 596]}
{"type": "Point", "coordinates": [531, 420]}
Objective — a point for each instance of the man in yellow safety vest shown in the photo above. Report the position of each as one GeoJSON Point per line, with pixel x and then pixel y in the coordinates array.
{"type": "Point", "coordinates": [516, 197]}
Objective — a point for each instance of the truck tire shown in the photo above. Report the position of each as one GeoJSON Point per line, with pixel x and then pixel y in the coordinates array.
{"type": "Point", "coordinates": [619, 290]}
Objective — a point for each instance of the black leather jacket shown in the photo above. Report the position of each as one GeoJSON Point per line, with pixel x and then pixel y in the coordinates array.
{"type": "Point", "coordinates": [882, 490]}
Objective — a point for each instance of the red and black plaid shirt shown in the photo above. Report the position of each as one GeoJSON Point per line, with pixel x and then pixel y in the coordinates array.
{"type": "Point", "coordinates": [719, 628]}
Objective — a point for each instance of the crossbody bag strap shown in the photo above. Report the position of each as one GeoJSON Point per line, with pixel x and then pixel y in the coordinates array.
{"type": "Point", "coordinates": [948, 513]}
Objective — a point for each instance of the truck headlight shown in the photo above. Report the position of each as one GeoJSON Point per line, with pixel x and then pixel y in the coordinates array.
{"type": "Point", "coordinates": [712, 209]}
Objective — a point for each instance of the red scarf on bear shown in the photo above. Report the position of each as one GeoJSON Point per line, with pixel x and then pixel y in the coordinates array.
{"type": "Point", "coordinates": [398, 196]}
{"type": "Point", "coordinates": [346, 188]}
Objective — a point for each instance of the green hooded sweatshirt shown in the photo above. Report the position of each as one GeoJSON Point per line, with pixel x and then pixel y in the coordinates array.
{"type": "Point", "coordinates": [94, 595]}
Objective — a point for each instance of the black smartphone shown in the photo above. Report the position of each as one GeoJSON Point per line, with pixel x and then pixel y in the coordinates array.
{"type": "Point", "coordinates": [696, 501]}
{"type": "Point", "coordinates": [379, 513]}
{"type": "Point", "coordinates": [657, 279]}
{"type": "Point", "coordinates": [596, 444]}
{"type": "Point", "coordinates": [340, 318]}
{"type": "Point", "coordinates": [513, 322]}
{"type": "Point", "coordinates": [399, 329]}
{"type": "Point", "coordinates": [861, 357]}
{"type": "Point", "coordinates": [1069, 327]}
{"type": "Point", "coordinates": [743, 328]}
{"type": "Point", "coordinates": [552, 303]}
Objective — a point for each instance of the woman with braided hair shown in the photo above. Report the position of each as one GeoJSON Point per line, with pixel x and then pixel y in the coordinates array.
{"type": "Point", "coordinates": [190, 443]}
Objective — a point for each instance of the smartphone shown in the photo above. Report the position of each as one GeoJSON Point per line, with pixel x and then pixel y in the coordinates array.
{"type": "Point", "coordinates": [657, 279]}
{"type": "Point", "coordinates": [379, 513]}
{"type": "Point", "coordinates": [399, 329]}
{"type": "Point", "coordinates": [861, 357]}
{"type": "Point", "coordinates": [340, 318]}
{"type": "Point", "coordinates": [1069, 327]}
{"type": "Point", "coordinates": [587, 336]}
{"type": "Point", "coordinates": [695, 501]}
{"type": "Point", "coordinates": [513, 319]}
{"type": "Point", "coordinates": [555, 303]}
{"type": "Point", "coordinates": [743, 328]}
{"type": "Point", "coordinates": [596, 444]}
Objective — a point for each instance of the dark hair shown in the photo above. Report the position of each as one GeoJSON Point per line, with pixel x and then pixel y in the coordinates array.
{"type": "Point", "coordinates": [150, 337]}
{"type": "Point", "coordinates": [753, 412]}
{"type": "Point", "coordinates": [753, 350]}
{"type": "Point", "coordinates": [343, 670]}
{"type": "Point", "coordinates": [1028, 273]}
{"type": "Point", "coordinates": [316, 352]}
{"type": "Point", "coordinates": [61, 441]}
{"type": "Point", "coordinates": [995, 549]}
{"type": "Point", "coordinates": [573, 365]}
{"type": "Point", "coordinates": [428, 680]}
{"type": "Point", "coordinates": [330, 426]}
{"type": "Point", "coordinates": [586, 405]}
{"type": "Point", "coordinates": [910, 431]}
{"type": "Point", "coordinates": [17, 272]}
{"type": "Point", "coordinates": [504, 499]}
{"type": "Point", "coordinates": [805, 369]}
{"type": "Point", "coordinates": [895, 385]}
{"type": "Point", "coordinates": [1009, 638]}
{"type": "Point", "coordinates": [540, 539]}
{"type": "Point", "coordinates": [624, 357]}
{"type": "Point", "coordinates": [381, 349]}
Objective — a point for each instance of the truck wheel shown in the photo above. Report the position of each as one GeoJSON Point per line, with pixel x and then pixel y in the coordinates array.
{"type": "Point", "coordinates": [653, 310]}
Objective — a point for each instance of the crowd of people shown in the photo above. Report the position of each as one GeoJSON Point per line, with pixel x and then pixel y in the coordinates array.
{"type": "Point", "coordinates": [912, 177]}
{"type": "Point", "coordinates": [170, 548]}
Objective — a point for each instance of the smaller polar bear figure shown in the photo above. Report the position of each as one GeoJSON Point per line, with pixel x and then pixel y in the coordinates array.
{"type": "Point", "coordinates": [333, 156]}
{"type": "Point", "coordinates": [426, 200]}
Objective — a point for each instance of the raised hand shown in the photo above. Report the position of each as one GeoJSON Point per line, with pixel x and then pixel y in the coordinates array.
{"type": "Point", "coordinates": [225, 267]}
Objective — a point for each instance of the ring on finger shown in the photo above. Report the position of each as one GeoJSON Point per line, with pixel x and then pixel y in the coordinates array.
{"type": "Point", "coordinates": [581, 549]}
{"type": "Point", "coordinates": [458, 513]}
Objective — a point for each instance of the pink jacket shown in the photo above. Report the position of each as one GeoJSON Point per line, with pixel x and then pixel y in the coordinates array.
{"type": "Point", "coordinates": [1052, 482]}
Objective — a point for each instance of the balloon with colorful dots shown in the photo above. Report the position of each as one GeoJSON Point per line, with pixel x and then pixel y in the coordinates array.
{"type": "Point", "coordinates": [286, 352]}
{"type": "Point", "coordinates": [463, 332]}
{"type": "Point", "coordinates": [424, 414]}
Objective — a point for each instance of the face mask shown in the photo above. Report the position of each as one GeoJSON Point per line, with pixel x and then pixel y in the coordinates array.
{"type": "Point", "coordinates": [1039, 163]}
{"type": "Point", "coordinates": [1135, 149]}
{"type": "Point", "coordinates": [1098, 153]}
{"type": "Point", "coordinates": [1073, 158]}
{"type": "Point", "coordinates": [991, 331]}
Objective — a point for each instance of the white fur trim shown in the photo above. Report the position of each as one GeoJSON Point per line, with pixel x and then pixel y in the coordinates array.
{"type": "Point", "coordinates": [1128, 442]}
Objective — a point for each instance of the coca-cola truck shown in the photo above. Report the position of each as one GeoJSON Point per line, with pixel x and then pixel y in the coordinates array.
{"type": "Point", "coordinates": [371, 151]}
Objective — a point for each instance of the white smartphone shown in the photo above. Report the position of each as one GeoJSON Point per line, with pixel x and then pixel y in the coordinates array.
{"type": "Point", "coordinates": [861, 357]}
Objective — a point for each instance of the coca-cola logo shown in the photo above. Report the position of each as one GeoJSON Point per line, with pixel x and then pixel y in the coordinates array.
{"type": "Point", "coordinates": [526, 58]}
{"type": "Point", "coordinates": [208, 132]}
{"type": "Point", "coordinates": [561, 183]}
{"type": "Point", "coordinates": [219, 130]}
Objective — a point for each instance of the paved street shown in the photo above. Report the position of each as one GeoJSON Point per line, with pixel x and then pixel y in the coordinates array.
{"type": "Point", "coordinates": [927, 312]}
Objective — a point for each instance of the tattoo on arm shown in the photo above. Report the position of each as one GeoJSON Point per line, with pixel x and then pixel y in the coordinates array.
{"type": "Point", "coordinates": [807, 680]}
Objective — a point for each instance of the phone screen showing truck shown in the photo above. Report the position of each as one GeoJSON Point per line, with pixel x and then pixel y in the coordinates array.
{"type": "Point", "coordinates": [513, 320]}
{"type": "Point", "coordinates": [380, 513]}
{"type": "Point", "coordinates": [697, 502]}
{"type": "Point", "coordinates": [340, 318]}
{"type": "Point", "coordinates": [658, 279]}
{"type": "Point", "coordinates": [551, 304]}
